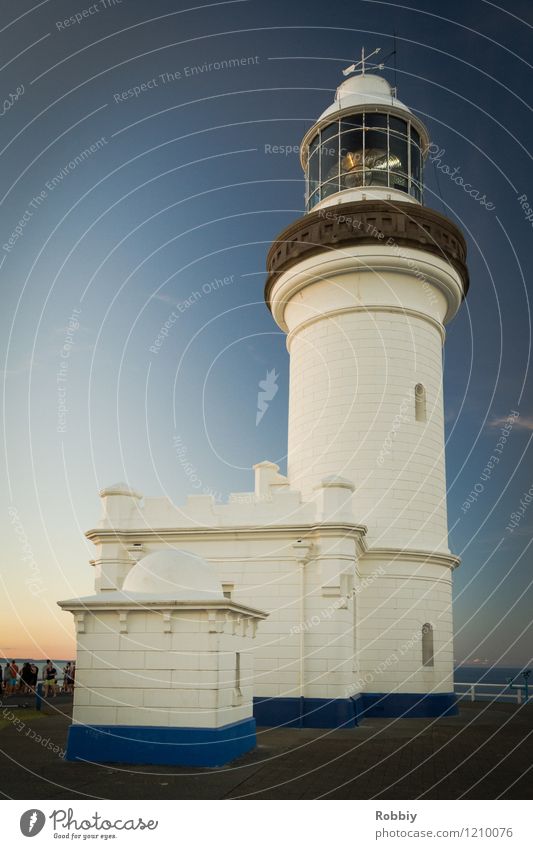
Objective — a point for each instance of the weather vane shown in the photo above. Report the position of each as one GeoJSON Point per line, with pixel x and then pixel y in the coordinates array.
{"type": "Point", "coordinates": [362, 61]}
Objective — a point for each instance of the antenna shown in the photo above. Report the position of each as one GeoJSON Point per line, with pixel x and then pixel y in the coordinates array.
{"type": "Point", "coordinates": [395, 77]}
{"type": "Point", "coordinates": [387, 57]}
{"type": "Point", "coordinates": [362, 62]}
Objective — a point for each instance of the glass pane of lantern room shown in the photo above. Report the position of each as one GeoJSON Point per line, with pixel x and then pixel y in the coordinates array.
{"type": "Point", "coordinates": [351, 158]}
{"type": "Point", "coordinates": [414, 136]}
{"type": "Point", "coordinates": [313, 174]}
{"type": "Point", "coordinates": [352, 122]}
{"type": "Point", "coordinates": [329, 188]}
{"type": "Point", "coordinates": [416, 165]}
{"type": "Point", "coordinates": [376, 160]}
{"type": "Point", "coordinates": [397, 127]}
{"type": "Point", "coordinates": [313, 199]}
{"type": "Point", "coordinates": [329, 156]}
{"type": "Point", "coordinates": [398, 162]}
{"type": "Point", "coordinates": [416, 171]}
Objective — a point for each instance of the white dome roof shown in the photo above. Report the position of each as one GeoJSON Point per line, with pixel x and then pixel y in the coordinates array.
{"type": "Point", "coordinates": [120, 488]}
{"type": "Point", "coordinates": [173, 574]}
{"type": "Point", "coordinates": [364, 89]}
{"type": "Point", "coordinates": [365, 85]}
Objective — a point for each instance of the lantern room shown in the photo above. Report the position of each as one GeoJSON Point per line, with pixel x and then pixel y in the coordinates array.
{"type": "Point", "coordinates": [366, 145]}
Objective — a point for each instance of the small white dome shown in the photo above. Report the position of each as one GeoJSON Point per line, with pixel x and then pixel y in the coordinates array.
{"type": "Point", "coordinates": [120, 488]}
{"type": "Point", "coordinates": [365, 85]}
{"type": "Point", "coordinates": [364, 90]}
{"type": "Point", "coordinates": [173, 574]}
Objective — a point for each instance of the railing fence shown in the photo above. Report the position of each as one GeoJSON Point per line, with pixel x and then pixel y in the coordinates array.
{"type": "Point", "coordinates": [473, 691]}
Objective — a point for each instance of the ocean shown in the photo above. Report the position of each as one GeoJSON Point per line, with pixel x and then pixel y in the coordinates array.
{"type": "Point", "coordinates": [486, 674]}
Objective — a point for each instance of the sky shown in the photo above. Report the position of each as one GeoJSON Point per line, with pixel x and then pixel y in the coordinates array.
{"type": "Point", "coordinates": [176, 200]}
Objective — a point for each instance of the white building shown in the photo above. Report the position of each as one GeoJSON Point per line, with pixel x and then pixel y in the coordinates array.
{"type": "Point", "coordinates": [348, 553]}
{"type": "Point", "coordinates": [164, 668]}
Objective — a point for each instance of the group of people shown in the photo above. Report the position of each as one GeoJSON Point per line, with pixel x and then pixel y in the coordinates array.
{"type": "Point", "coordinates": [15, 681]}
{"type": "Point", "coordinates": [22, 681]}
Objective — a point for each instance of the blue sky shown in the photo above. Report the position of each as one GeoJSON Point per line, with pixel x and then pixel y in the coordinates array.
{"type": "Point", "coordinates": [181, 195]}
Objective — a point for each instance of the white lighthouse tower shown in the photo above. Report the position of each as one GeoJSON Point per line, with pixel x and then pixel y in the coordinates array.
{"type": "Point", "coordinates": [364, 285]}
{"type": "Point", "coordinates": [347, 553]}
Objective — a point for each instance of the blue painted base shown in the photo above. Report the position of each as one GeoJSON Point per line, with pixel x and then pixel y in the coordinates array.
{"type": "Point", "coordinates": [136, 744]}
{"type": "Point", "coordinates": [410, 705]}
{"type": "Point", "coordinates": [347, 713]}
{"type": "Point", "coordinates": [308, 713]}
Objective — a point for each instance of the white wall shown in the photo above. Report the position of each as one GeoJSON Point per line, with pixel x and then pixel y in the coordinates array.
{"type": "Point", "coordinates": [184, 677]}
{"type": "Point", "coordinates": [352, 412]}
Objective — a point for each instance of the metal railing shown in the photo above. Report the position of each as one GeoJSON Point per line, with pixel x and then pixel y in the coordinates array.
{"type": "Point", "coordinates": [504, 691]}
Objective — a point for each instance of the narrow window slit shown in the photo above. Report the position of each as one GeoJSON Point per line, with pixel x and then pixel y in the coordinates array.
{"type": "Point", "coordinates": [420, 403]}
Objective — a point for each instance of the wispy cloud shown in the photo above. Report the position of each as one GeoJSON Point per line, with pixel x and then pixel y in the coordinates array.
{"type": "Point", "coordinates": [521, 423]}
{"type": "Point", "coordinates": [167, 299]}
{"type": "Point", "coordinates": [523, 531]}
{"type": "Point", "coordinates": [24, 368]}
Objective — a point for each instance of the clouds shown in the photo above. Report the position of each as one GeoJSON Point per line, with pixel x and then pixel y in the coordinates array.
{"type": "Point", "coordinates": [521, 423]}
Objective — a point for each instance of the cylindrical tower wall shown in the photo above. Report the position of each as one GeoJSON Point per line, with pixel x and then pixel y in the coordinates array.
{"type": "Point", "coordinates": [405, 627]}
{"type": "Point", "coordinates": [352, 412]}
{"type": "Point", "coordinates": [365, 333]}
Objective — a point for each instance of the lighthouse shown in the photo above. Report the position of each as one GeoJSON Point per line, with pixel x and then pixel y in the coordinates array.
{"type": "Point", "coordinates": [364, 285]}
{"type": "Point", "coordinates": [344, 560]}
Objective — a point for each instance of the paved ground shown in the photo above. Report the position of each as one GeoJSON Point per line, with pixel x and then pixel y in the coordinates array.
{"type": "Point", "coordinates": [482, 754]}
